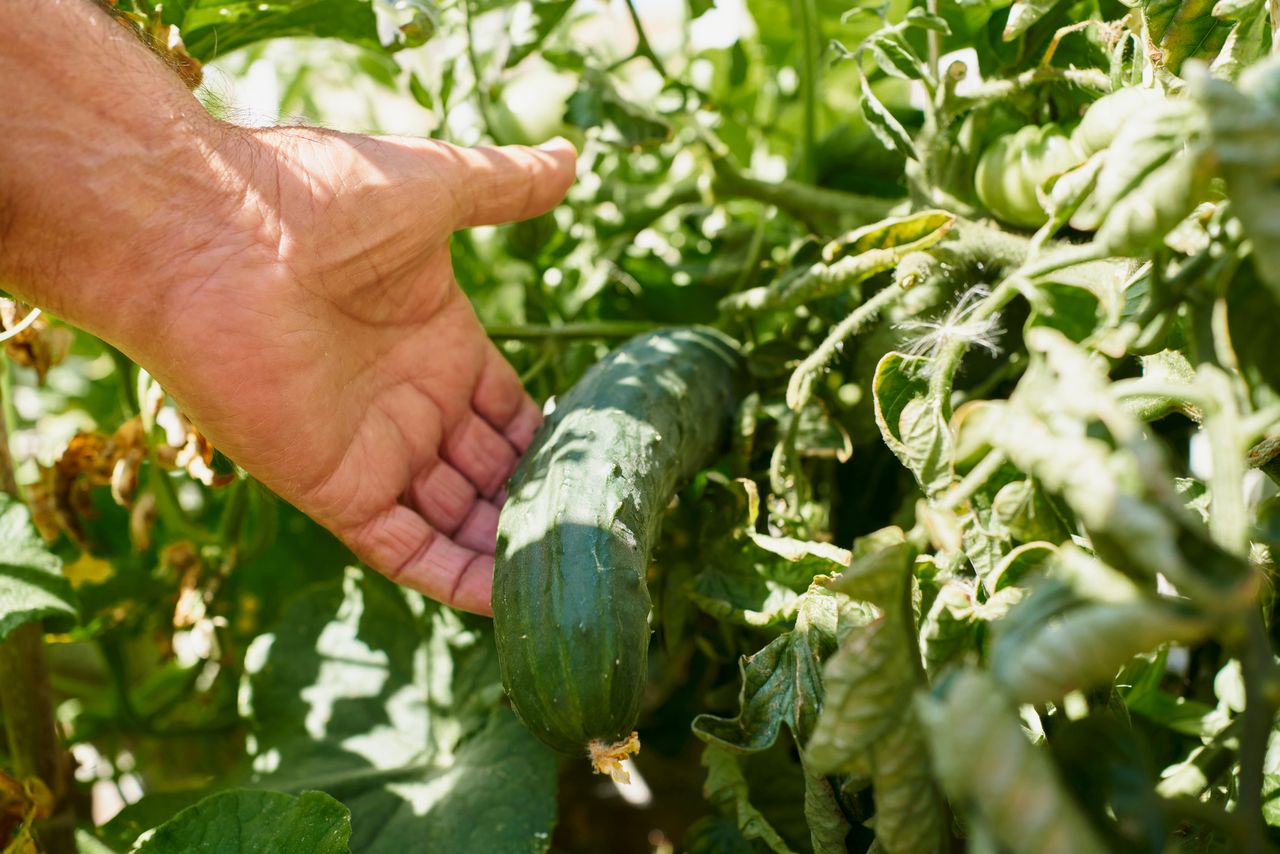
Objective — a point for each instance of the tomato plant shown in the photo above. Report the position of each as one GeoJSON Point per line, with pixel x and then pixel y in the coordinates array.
{"type": "Point", "coordinates": [1013, 168]}
{"type": "Point", "coordinates": [984, 561]}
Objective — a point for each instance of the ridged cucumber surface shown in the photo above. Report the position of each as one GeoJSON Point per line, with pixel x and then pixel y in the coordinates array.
{"type": "Point", "coordinates": [570, 603]}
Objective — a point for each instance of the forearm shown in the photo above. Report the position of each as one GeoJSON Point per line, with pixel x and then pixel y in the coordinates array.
{"type": "Point", "coordinates": [112, 174]}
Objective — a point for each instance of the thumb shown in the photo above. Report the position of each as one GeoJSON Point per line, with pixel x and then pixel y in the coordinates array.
{"type": "Point", "coordinates": [494, 185]}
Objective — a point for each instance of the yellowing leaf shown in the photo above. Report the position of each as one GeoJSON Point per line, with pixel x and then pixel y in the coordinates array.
{"type": "Point", "coordinates": [87, 569]}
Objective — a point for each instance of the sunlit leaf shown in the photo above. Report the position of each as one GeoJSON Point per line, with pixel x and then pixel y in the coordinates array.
{"type": "Point", "coordinates": [32, 586]}
{"type": "Point", "coordinates": [252, 821]}
{"type": "Point", "coordinates": [868, 725]}
{"type": "Point", "coordinates": [1023, 14]}
{"type": "Point", "coordinates": [884, 125]}
{"type": "Point", "coordinates": [1183, 29]}
{"type": "Point", "coordinates": [211, 28]}
{"type": "Point", "coordinates": [912, 232]}
{"type": "Point", "coordinates": [396, 714]}
{"type": "Point", "coordinates": [1042, 657]}
{"type": "Point", "coordinates": [910, 420]}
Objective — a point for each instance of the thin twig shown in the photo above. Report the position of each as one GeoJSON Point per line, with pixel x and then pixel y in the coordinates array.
{"type": "Point", "coordinates": [26, 699]}
{"type": "Point", "coordinates": [569, 331]}
{"type": "Point", "coordinates": [643, 47]}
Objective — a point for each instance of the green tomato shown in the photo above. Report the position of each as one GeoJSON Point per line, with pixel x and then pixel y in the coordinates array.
{"type": "Point", "coordinates": [530, 109]}
{"type": "Point", "coordinates": [1016, 164]}
{"type": "Point", "coordinates": [1105, 116]}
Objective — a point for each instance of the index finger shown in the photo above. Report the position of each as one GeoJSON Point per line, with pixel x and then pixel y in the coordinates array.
{"type": "Point", "coordinates": [507, 183]}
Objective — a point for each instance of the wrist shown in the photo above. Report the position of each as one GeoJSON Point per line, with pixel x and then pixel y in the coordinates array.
{"type": "Point", "coordinates": [110, 197]}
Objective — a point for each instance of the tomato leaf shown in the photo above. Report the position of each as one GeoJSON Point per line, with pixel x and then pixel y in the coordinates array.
{"type": "Point", "coordinates": [1244, 128]}
{"type": "Point", "coordinates": [257, 821]}
{"type": "Point", "coordinates": [909, 233]}
{"type": "Point", "coordinates": [1184, 29]}
{"type": "Point", "coordinates": [32, 586]}
{"type": "Point", "coordinates": [884, 125]}
{"type": "Point", "coordinates": [895, 57]}
{"type": "Point", "coordinates": [1023, 14]}
{"type": "Point", "coordinates": [782, 683]}
{"type": "Point", "coordinates": [868, 727]}
{"type": "Point", "coordinates": [544, 16]}
{"type": "Point", "coordinates": [212, 28]}
{"type": "Point", "coordinates": [911, 422]}
{"type": "Point", "coordinates": [727, 787]}
{"type": "Point", "coordinates": [1040, 657]}
{"type": "Point", "coordinates": [986, 765]}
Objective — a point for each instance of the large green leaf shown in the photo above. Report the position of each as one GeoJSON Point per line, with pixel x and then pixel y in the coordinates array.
{"type": "Point", "coordinates": [1023, 14]}
{"type": "Point", "coordinates": [1184, 29]}
{"type": "Point", "coordinates": [390, 707]}
{"type": "Point", "coordinates": [868, 725]}
{"type": "Point", "coordinates": [211, 28]}
{"type": "Point", "coordinates": [988, 767]}
{"type": "Point", "coordinates": [1040, 656]}
{"type": "Point", "coordinates": [727, 788]}
{"type": "Point", "coordinates": [32, 586]}
{"type": "Point", "coordinates": [782, 683]}
{"type": "Point", "coordinates": [911, 420]}
{"type": "Point", "coordinates": [1244, 126]}
{"type": "Point", "coordinates": [249, 821]}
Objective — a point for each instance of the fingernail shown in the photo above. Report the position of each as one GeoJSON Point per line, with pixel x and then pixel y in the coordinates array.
{"type": "Point", "coordinates": [557, 142]}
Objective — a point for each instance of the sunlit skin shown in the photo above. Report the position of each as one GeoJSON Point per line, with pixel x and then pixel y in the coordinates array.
{"type": "Point", "coordinates": [290, 288]}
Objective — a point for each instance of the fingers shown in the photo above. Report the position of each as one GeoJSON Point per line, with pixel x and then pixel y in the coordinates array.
{"type": "Point", "coordinates": [444, 496]}
{"type": "Point", "coordinates": [480, 453]}
{"type": "Point", "coordinates": [450, 504]}
{"type": "Point", "coordinates": [479, 531]}
{"type": "Point", "coordinates": [401, 545]}
{"type": "Point", "coordinates": [500, 399]}
{"type": "Point", "coordinates": [494, 185]}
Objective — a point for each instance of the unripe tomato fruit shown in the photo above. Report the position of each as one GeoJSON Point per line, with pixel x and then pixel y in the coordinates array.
{"type": "Point", "coordinates": [1016, 164]}
{"type": "Point", "coordinates": [1105, 116]}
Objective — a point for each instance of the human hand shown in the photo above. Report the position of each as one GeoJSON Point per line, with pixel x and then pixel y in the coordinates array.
{"type": "Point", "coordinates": [320, 340]}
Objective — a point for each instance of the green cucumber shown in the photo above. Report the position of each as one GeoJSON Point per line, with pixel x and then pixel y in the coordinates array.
{"type": "Point", "coordinates": [570, 603]}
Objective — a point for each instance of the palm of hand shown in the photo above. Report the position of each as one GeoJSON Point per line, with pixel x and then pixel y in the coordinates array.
{"type": "Point", "coordinates": [334, 357]}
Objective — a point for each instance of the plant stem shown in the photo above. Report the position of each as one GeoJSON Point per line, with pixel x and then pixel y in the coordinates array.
{"type": "Point", "coordinates": [643, 47]}
{"type": "Point", "coordinates": [658, 203]}
{"type": "Point", "coordinates": [957, 495]}
{"type": "Point", "coordinates": [126, 387]}
{"type": "Point", "coordinates": [800, 387]}
{"type": "Point", "coordinates": [753, 252]}
{"type": "Point", "coordinates": [170, 510]}
{"type": "Point", "coordinates": [933, 40]}
{"type": "Point", "coordinates": [482, 97]}
{"type": "Point", "coordinates": [1260, 677]}
{"type": "Point", "coordinates": [806, 16]}
{"type": "Point", "coordinates": [233, 513]}
{"type": "Point", "coordinates": [997, 90]}
{"type": "Point", "coordinates": [947, 361]}
{"type": "Point", "coordinates": [26, 698]}
{"type": "Point", "coordinates": [820, 209]}
{"type": "Point", "coordinates": [569, 331]}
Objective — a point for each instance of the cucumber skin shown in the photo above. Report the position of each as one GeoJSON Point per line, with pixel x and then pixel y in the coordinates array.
{"type": "Point", "coordinates": [570, 603]}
